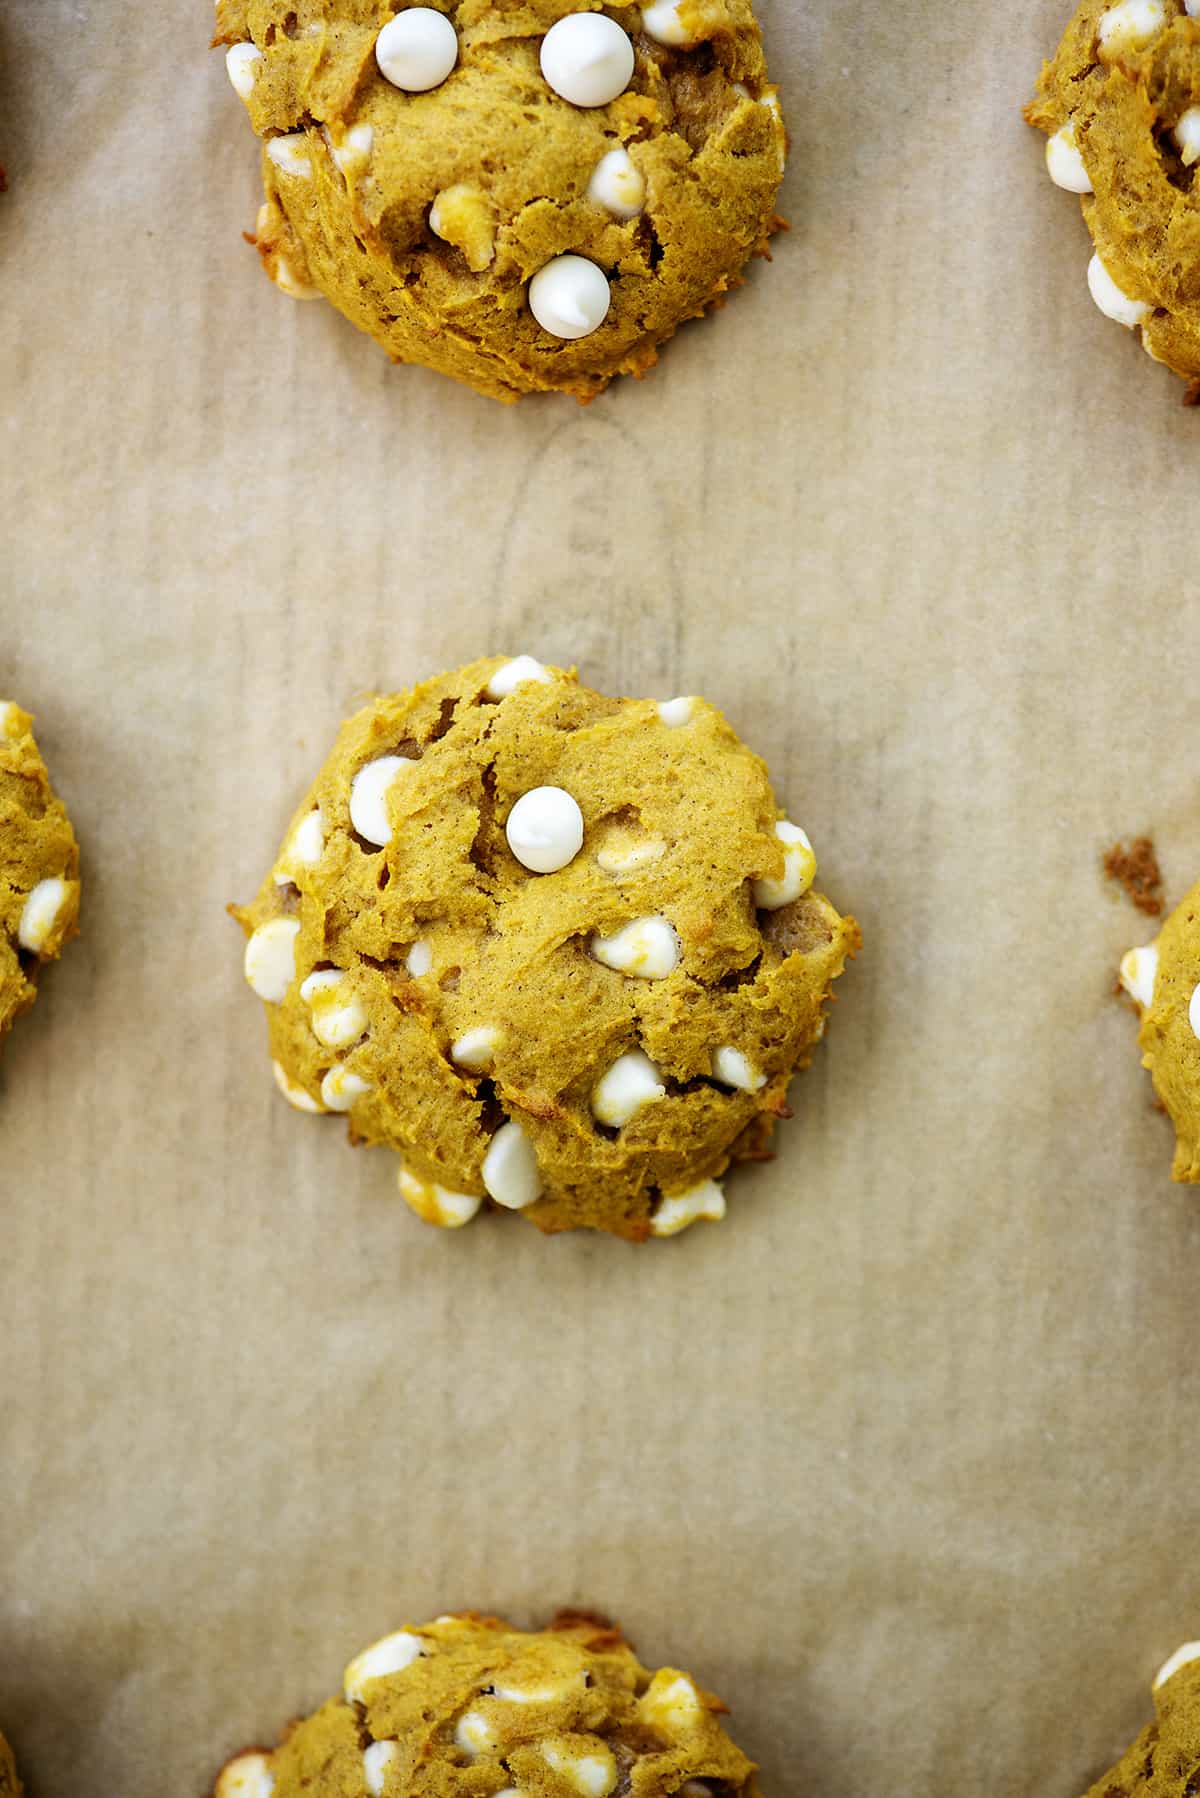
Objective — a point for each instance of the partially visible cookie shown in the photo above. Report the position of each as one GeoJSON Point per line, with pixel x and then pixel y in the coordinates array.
{"type": "Point", "coordinates": [526, 197]}
{"type": "Point", "coordinates": [560, 951]}
{"type": "Point", "coordinates": [1164, 1762]}
{"type": "Point", "coordinates": [1120, 103]}
{"type": "Point", "coordinates": [1163, 979]}
{"type": "Point", "coordinates": [469, 1707]}
{"type": "Point", "coordinates": [10, 1785]}
{"type": "Point", "coordinates": [39, 867]}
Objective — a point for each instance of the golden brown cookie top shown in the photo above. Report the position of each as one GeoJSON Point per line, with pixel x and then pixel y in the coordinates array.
{"type": "Point", "coordinates": [558, 950]}
{"type": "Point", "coordinates": [453, 206]}
{"type": "Point", "coordinates": [1163, 1762]}
{"type": "Point", "coordinates": [469, 1707]}
{"type": "Point", "coordinates": [39, 867]}
{"type": "Point", "coordinates": [1120, 103]}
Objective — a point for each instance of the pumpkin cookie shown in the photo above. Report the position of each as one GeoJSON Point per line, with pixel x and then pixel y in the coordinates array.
{"type": "Point", "coordinates": [1120, 104]}
{"type": "Point", "coordinates": [559, 951]}
{"type": "Point", "coordinates": [470, 1705]}
{"type": "Point", "coordinates": [1165, 1759]}
{"type": "Point", "coordinates": [1163, 978]}
{"type": "Point", "coordinates": [526, 197]}
{"type": "Point", "coordinates": [39, 867]}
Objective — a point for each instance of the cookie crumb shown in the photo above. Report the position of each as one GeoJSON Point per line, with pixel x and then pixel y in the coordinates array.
{"type": "Point", "coordinates": [1137, 872]}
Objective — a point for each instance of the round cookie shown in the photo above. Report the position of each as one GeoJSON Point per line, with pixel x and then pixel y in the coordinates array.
{"type": "Point", "coordinates": [39, 867]}
{"type": "Point", "coordinates": [10, 1785]}
{"type": "Point", "coordinates": [1164, 1760]}
{"type": "Point", "coordinates": [469, 1704]}
{"type": "Point", "coordinates": [1120, 104]}
{"type": "Point", "coordinates": [1163, 979]}
{"type": "Point", "coordinates": [489, 226]}
{"type": "Point", "coordinates": [592, 1044]}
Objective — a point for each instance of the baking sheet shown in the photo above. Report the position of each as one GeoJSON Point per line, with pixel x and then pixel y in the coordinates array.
{"type": "Point", "coordinates": [898, 1459]}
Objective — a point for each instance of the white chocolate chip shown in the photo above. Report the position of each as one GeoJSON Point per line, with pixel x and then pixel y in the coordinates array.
{"type": "Point", "coordinates": [631, 1082]}
{"type": "Point", "coordinates": [510, 1169]}
{"type": "Point", "coordinates": [771, 102]}
{"type": "Point", "coordinates": [288, 281]}
{"type": "Point", "coordinates": [1129, 26]}
{"type": "Point", "coordinates": [799, 870]}
{"type": "Point", "coordinates": [671, 1704]}
{"type": "Point", "coordinates": [354, 152]}
{"type": "Point", "coordinates": [376, 1761]}
{"type": "Point", "coordinates": [593, 1773]}
{"type": "Point", "coordinates": [522, 668]}
{"type": "Point", "coordinates": [8, 715]}
{"type": "Point", "coordinates": [475, 1735]}
{"type": "Point", "coordinates": [40, 914]}
{"type": "Point", "coordinates": [392, 1654]}
{"type": "Point", "coordinates": [419, 960]}
{"type": "Point", "coordinates": [369, 790]}
{"type": "Point", "coordinates": [624, 852]}
{"type": "Point", "coordinates": [249, 1776]}
{"type": "Point", "coordinates": [648, 948]}
{"type": "Point", "coordinates": [338, 1017]}
{"type": "Point", "coordinates": [1187, 136]}
{"type": "Point", "coordinates": [417, 49]}
{"type": "Point", "coordinates": [242, 64]}
{"type": "Point", "coordinates": [475, 1049]}
{"type": "Point", "coordinates": [308, 840]}
{"type": "Point", "coordinates": [303, 849]}
{"type": "Point", "coordinates": [340, 1088]}
{"type": "Point", "coordinates": [686, 1208]}
{"type": "Point", "coordinates": [731, 1068]}
{"type": "Point", "coordinates": [1064, 162]}
{"type": "Point", "coordinates": [545, 830]}
{"type": "Point", "coordinates": [290, 154]}
{"type": "Point", "coordinates": [1194, 1012]}
{"type": "Point", "coordinates": [270, 958]}
{"type": "Point", "coordinates": [531, 1694]}
{"type": "Point", "coordinates": [587, 59]}
{"type": "Point", "coordinates": [464, 216]}
{"type": "Point", "coordinates": [295, 1094]}
{"type": "Point", "coordinates": [1182, 1657]}
{"type": "Point", "coordinates": [618, 185]}
{"type": "Point", "coordinates": [663, 23]}
{"type": "Point", "coordinates": [437, 1204]}
{"type": "Point", "coordinates": [570, 297]}
{"type": "Point", "coordinates": [675, 712]}
{"type": "Point", "coordinates": [1110, 299]}
{"type": "Point", "coordinates": [1139, 971]}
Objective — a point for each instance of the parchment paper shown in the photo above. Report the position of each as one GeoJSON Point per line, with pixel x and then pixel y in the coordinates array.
{"type": "Point", "coordinates": [901, 1459]}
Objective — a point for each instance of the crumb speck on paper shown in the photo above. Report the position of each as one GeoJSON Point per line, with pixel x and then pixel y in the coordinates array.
{"type": "Point", "coordinates": [1136, 870]}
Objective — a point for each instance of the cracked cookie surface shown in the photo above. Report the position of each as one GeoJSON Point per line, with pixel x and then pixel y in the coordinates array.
{"type": "Point", "coordinates": [425, 216]}
{"type": "Point", "coordinates": [1164, 1762]}
{"type": "Point", "coordinates": [1120, 103]}
{"type": "Point", "coordinates": [1163, 979]}
{"type": "Point", "coordinates": [592, 1045]}
{"type": "Point", "coordinates": [469, 1707]}
{"type": "Point", "coordinates": [39, 867]}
